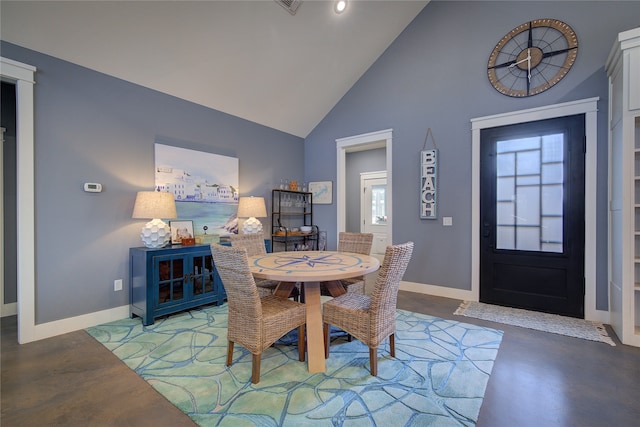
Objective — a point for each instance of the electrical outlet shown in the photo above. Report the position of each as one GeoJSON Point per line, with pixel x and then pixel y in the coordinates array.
{"type": "Point", "coordinates": [117, 285]}
{"type": "Point", "coordinates": [447, 221]}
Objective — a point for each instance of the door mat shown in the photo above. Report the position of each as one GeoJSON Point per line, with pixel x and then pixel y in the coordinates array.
{"type": "Point", "coordinates": [553, 323]}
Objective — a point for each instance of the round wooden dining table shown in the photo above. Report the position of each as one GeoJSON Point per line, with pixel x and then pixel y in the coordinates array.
{"type": "Point", "coordinates": [312, 268]}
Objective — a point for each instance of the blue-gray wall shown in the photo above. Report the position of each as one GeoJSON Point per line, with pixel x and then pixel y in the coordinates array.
{"type": "Point", "coordinates": [90, 127]}
{"type": "Point", "coordinates": [434, 75]}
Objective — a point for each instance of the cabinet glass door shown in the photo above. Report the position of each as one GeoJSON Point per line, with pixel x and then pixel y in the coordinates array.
{"type": "Point", "coordinates": [202, 275]}
{"type": "Point", "coordinates": [170, 280]}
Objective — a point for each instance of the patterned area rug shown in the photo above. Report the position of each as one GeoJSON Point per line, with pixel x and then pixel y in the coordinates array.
{"type": "Point", "coordinates": [569, 326]}
{"type": "Point", "coordinates": [438, 377]}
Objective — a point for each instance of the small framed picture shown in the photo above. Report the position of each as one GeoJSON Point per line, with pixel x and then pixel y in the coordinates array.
{"type": "Point", "coordinates": [181, 230]}
{"type": "Point", "coordinates": [322, 192]}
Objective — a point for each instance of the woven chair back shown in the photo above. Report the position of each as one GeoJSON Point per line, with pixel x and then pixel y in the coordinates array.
{"type": "Point", "coordinates": [254, 243]}
{"type": "Point", "coordinates": [385, 292]}
{"type": "Point", "coordinates": [245, 308]}
{"type": "Point", "coordinates": [359, 243]}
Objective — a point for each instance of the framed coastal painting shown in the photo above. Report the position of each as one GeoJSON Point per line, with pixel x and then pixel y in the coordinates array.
{"type": "Point", "coordinates": [205, 187]}
{"type": "Point", "coordinates": [322, 192]}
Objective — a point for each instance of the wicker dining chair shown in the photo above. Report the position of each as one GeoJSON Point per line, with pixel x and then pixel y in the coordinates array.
{"type": "Point", "coordinates": [371, 319]}
{"type": "Point", "coordinates": [359, 243]}
{"type": "Point", "coordinates": [254, 322]}
{"type": "Point", "coordinates": [254, 243]}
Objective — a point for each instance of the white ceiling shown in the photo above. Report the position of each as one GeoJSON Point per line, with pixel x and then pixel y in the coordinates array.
{"type": "Point", "coordinates": [251, 59]}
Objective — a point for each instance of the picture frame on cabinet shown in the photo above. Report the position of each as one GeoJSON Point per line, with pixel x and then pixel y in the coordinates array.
{"type": "Point", "coordinates": [181, 229]}
{"type": "Point", "coordinates": [322, 192]}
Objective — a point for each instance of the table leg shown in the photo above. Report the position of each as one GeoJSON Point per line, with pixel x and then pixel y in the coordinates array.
{"type": "Point", "coordinates": [315, 338]}
{"type": "Point", "coordinates": [284, 289]}
{"type": "Point", "coordinates": [335, 288]}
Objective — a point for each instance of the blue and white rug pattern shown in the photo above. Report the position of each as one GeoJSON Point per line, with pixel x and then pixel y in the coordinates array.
{"type": "Point", "coordinates": [438, 377]}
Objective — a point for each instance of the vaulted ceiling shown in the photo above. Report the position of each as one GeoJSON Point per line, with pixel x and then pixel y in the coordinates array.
{"type": "Point", "coordinates": [251, 59]}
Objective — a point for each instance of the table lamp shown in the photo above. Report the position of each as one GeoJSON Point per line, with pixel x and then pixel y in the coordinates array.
{"type": "Point", "coordinates": [252, 207]}
{"type": "Point", "coordinates": [155, 205]}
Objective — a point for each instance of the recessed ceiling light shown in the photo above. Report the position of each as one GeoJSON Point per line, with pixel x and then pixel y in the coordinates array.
{"type": "Point", "coordinates": [340, 6]}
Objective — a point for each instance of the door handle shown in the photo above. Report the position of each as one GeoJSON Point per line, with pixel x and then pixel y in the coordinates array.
{"type": "Point", "coordinates": [486, 230]}
{"type": "Point", "coordinates": [486, 234]}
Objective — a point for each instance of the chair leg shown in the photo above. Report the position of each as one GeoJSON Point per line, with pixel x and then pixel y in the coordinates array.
{"type": "Point", "coordinates": [373, 360]}
{"type": "Point", "coordinates": [392, 345]}
{"type": "Point", "coordinates": [255, 368]}
{"type": "Point", "coordinates": [326, 340]}
{"type": "Point", "coordinates": [229, 352]}
{"type": "Point", "coordinates": [301, 345]}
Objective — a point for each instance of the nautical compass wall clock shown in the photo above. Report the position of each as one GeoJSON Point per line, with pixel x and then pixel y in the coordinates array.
{"type": "Point", "coordinates": [532, 57]}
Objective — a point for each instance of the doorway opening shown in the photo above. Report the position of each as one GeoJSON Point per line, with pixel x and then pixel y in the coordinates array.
{"type": "Point", "coordinates": [354, 144]}
{"type": "Point", "coordinates": [8, 260]}
{"type": "Point", "coordinates": [23, 77]}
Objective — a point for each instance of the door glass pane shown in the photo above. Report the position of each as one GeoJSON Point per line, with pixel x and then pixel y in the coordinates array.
{"type": "Point", "coordinates": [530, 192]}
{"type": "Point", "coordinates": [504, 214]}
{"type": "Point", "coordinates": [378, 205]}
{"type": "Point", "coordinates": [506, 237]}
{"type": "Point", "coordinates": [506, 189]}
{"type": "Point", "coordinates": [528, 206]}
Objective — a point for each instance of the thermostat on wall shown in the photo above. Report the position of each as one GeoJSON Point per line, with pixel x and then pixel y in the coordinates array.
{"type": "Point", "coordinates": [92, 187]}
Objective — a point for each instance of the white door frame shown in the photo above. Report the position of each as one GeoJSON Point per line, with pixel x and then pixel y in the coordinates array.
{"type": "Point", "coordinates": [588, 107]}
{"type": "Point", "coordinates": [367, 141]}
{"type": "Point", "coordinates": [23, 76]}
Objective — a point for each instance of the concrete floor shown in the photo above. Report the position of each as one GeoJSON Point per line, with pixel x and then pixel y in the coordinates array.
{"type": "Point", "coordinates": [538, 379]}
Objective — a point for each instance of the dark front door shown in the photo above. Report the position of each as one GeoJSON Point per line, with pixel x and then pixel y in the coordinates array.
{"type": "Point", "coordinates": [532, 216]}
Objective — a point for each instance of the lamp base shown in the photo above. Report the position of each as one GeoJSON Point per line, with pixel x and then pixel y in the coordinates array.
{"type": "Point", "coordinates": [252, 226]}
{"type": "Point", "coordinates": [156, 234]}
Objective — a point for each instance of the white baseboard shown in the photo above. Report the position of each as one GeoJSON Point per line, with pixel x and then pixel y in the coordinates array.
{"type": "Point", "coordinates": [10, 309]}
{"type": "Point", "coordinates": [63, 326]}
{"type": "Point", "coordinates": [439, 291]}
{"type": "Point", "coordinates": [601, 316]}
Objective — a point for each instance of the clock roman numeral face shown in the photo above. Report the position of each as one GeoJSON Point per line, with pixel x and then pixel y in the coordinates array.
{"type": "Point", "coordinates": [532, 57]}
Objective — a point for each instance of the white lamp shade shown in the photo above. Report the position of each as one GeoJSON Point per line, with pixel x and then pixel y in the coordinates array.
{"type": "Point", "coordinates": [252, 207]}
{"type": "Point", "coordinates": [154, 204]}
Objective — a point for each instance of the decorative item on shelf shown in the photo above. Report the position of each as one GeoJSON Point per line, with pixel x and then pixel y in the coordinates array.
{"type": "Point", "coordinates": [155, 205]}
{"type": "Point", "coordinates": [306, 229]}
{"type": "Point", "coordinates": [188, 241]}
{"type": "Point", "coordinates": [293, 185]}
{"type": "Point", "coordinates": [180, 230]}
{"type": "Point", "coordinates": [252, 208]}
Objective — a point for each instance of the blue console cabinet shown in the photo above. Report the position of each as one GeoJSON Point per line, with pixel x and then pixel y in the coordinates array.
{"type": "Point", "coordinates": [171, 279]}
